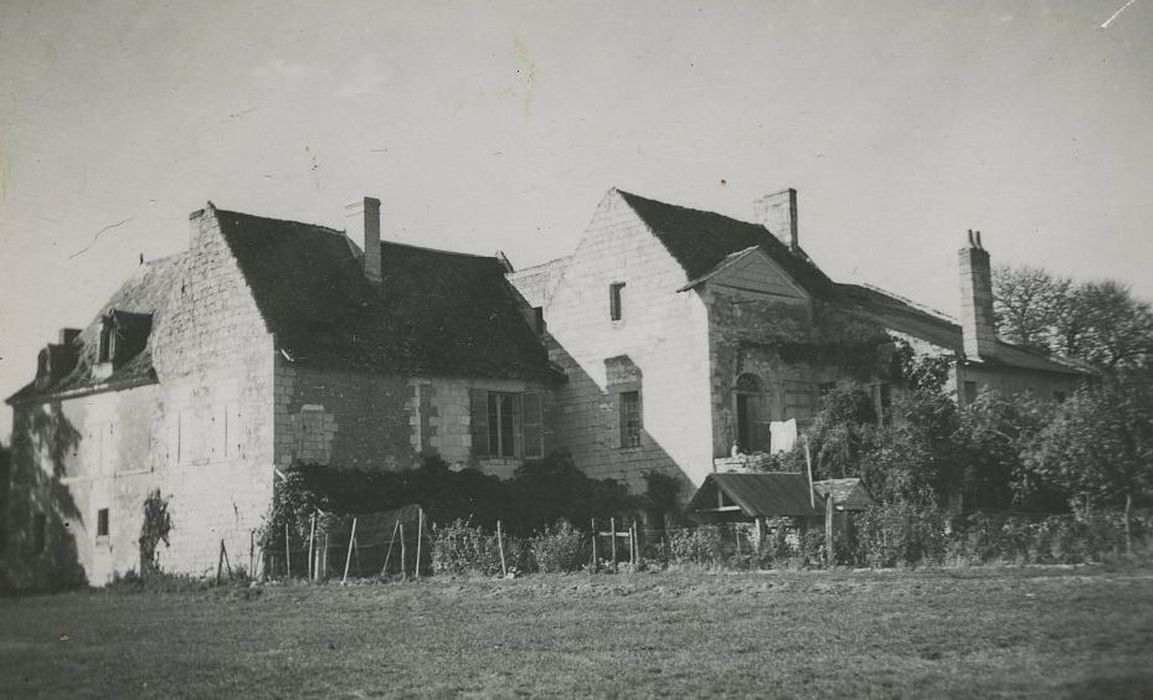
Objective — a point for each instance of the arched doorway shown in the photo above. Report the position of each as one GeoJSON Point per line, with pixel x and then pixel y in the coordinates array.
{"type": "Point", "coordinates": [752, 416]}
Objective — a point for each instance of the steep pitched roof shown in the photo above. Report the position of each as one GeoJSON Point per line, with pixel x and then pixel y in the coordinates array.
{"type": "Point", "coordinates": [705, 242]}
{"type": "Point", "coordinates": [145, 292]}
{"type": "Point", "coordinates": [764, 494]}
{"type": "Point", "coordinates": [701, 240]}
{"type": "Point", "coordinates": [434, 312]}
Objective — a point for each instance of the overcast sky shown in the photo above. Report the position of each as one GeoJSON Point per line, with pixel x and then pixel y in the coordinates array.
{"type": "Point", "coordinates": [485, 126]}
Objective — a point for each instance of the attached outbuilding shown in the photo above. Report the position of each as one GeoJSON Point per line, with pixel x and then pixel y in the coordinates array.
{"type": "Point", "coordinates": [762, 497]}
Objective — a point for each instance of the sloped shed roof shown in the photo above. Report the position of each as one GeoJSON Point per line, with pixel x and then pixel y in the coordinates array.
{"type": "Point", "coordinates": [767, 494]}
{"type": "Point", "coordinates": [848, 494]}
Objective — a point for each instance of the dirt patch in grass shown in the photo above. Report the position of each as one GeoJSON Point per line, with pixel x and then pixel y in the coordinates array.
{"type": "Point", "coordinates": [971, 632]}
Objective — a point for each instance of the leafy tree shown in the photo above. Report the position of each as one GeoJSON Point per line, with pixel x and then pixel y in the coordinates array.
{"type": "Point", "coordinates": [842, 432]}
{"type": "Point", "coordinates": [1098, 322]}
{"type": "Point", "coordinates": [1099, 445]}
{"type": "Point", "coordinates": [995, 431]}
{"type": "Point", "coordinates": [1027, 304]}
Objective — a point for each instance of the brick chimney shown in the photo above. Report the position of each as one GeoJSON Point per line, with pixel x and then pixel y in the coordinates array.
{"type": "Point", "coordinates": [362, 223]}
{"type": "Point", "coordinates": [778, 213]}
{"type": "Point", "coordinates": [978, 331]}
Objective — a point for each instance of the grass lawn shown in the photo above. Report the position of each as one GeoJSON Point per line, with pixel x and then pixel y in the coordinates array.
{"type": "Point", "coordinates": [965, 632]}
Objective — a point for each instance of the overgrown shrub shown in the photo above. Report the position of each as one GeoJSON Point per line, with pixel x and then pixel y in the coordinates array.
{"type": "Point", "coordinates": [1060, 539]}
{"type": "Point", "coordinates": [461, 548]}
{"type": "Point", "coordinates": [560, 548]}
{"type": "Point", "coordinates": [900, 534]}
{"type": "Point", "coordinates": [699, 546]}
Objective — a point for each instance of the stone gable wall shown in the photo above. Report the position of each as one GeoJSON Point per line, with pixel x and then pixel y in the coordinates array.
{"type": "Point", "coordinates": [663, 334]}
{"type": "Point", "coordinates": [203, 436]}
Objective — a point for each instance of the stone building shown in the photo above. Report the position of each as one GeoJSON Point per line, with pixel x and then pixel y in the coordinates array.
{"type": "Point", "coordinates": [266, 343]}
{"type": "Point", "coordinates": [668, 341]}
{"type": "Point", "coordinates": [688, 337]}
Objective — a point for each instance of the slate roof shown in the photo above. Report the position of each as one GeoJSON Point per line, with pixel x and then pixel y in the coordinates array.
{"type": "Point", "coordinates": [704, 241]}
{"type": "Point", "coordinates": [765, 494]}
{"type": "Point", "coordinates": [434, 312]}
{"type": "Point", "coordinates": [701, 240]}
{"type": "Point", "coordinates": [146, 291]}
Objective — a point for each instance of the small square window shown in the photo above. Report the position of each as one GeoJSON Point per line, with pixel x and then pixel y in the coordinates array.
{"type": "Point", "coordinates": [1059, 396]}
{"type": "Point", "coordinates": [102, 522]}
{"type": "Point", "coordinates": [616, 311]}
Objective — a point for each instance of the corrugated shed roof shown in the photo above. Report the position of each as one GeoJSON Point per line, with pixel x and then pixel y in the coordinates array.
{"type": "Point", "coordinates": [146, 291]}
{"type": "Point", "coordinates": [758, 495]}
{"type": "Point", "coordinates": [434, 312]}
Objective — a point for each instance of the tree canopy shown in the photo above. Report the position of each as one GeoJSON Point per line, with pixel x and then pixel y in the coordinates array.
{"type": "Point", "coordinates": [1097, 322]}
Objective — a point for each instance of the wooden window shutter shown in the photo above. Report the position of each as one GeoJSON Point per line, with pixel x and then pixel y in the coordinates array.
{"type": "Point", "coordinates": [478, 410]}
{"type": "Point", "coordinates": [533, 428]}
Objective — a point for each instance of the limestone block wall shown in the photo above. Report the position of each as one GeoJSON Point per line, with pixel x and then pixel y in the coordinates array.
{"type": "Point", "coordinates": [1043, 385]}
{"type": "Point", "coordinates": [663, 336]}
{"type": "Point", "coordinates": [367, 421]}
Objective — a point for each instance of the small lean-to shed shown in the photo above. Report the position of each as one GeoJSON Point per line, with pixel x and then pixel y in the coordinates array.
{"type": "Point", "coordinates": [848, 494]}
{"type": "Point", "coordinates": [729, 498]}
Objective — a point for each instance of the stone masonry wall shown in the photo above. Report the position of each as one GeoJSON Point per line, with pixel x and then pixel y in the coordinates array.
{"type": "Point", "coordinates": [662, 337]}
{"type": "Point", "coordinates": [363, 421]}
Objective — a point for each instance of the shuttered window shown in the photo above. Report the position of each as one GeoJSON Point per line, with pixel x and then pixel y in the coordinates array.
{"type": "Point", "coordinates": [506, 424]}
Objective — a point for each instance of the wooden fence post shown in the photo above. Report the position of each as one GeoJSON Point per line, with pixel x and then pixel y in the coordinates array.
{"type": "Point", "coordinates": [829, 559]}
{"type": "Point", "coordinates": [312, 549]}
{"type": "Point", "coordinates": [419, 537]}
{"type": "Point", "coordinates": [287, 555]}
{"type": "Point", "coordinates": [388, 554]}
{"type": "Point", "coordinates": [596, 561]}
{"type": "Point", "coordinates": [403, 555]}
{"type": "Point", "coordinates": [348, 557]}
{"type": "Point", "coordinates": [613, 530]}
{"type": "Point", "coordinates": [500, 548]}
{"type": "Point", "coordinates": [324, 559]}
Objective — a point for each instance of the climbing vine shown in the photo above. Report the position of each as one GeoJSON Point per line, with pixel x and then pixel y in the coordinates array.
{"type": "Point", "coordinates": [157, 524]}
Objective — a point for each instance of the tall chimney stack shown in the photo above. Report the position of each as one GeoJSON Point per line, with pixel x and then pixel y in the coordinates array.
{"type": "Point", "coordinates": [362, 223]}
{"type": "Point", "coordinates": [977, 327]}
{"type": "Point", "coordinates": [778, 213]}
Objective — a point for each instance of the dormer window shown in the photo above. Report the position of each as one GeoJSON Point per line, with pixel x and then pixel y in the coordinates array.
{"type": "Point", "coordinates": [107, 348]}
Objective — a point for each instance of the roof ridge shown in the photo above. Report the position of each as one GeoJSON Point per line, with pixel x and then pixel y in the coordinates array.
{"type": "Point", "coordinates": [915, 304]}
{"type": "Point", "coordinates": [686, 208]}
{"type": "Point", "coordinates": [441, 251]}
{"type": "Point", "coordinates": [280, 221]}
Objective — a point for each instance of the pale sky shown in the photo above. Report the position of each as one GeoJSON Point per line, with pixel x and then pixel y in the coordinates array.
{"type": "Point", "coordinates": [488, 125]}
